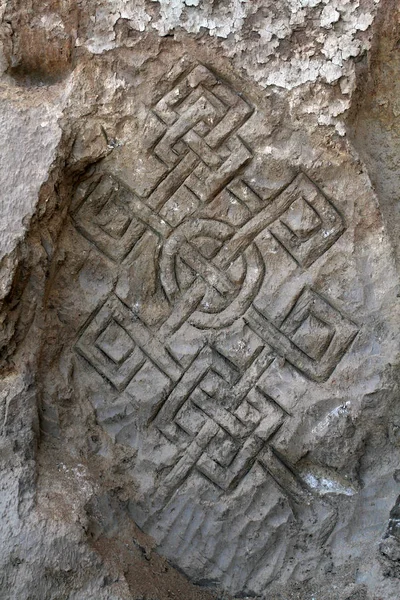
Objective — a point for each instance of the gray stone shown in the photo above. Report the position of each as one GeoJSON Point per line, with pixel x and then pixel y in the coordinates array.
{"type": "Point", "coordinates": [200, 304]}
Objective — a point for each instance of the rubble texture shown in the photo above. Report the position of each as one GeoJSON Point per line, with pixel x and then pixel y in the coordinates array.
{"type": "Point", "coordinates": [199, 300]}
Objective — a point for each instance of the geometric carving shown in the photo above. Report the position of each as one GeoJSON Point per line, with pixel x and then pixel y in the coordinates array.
{"type": "Point", "coordinates": [232, 270]}
{"type": "Point", "coordinates": [117, 360]}
{"type": "Point", "coordinates": [115, 342]}
{"type": "Point", "coordinates": [310, 225]}
{"type": "Point", "coordinates": [222, 288]}
{"type": "Point", "coordinates": [219, 427]}
{"type": "Point", "coordinates": [199, 147]}
{"type": "Point", "coordinates": [104, 217]}
{"type": "Point", "coordinates": [313, 337]}
{"type": "Point", "coordinates": [208, 222]}
{"type": "Point", "coordinates": [120, 358]}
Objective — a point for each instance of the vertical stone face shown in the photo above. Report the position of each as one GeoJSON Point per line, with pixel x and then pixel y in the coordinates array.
{"type": "Point", "coordinates": [214, 299]}
{"type": "Point", "coordinates": [213, 342]}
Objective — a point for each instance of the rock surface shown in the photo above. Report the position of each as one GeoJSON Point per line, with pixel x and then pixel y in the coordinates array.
{"type": "Point", "coordinates": [199, 300]}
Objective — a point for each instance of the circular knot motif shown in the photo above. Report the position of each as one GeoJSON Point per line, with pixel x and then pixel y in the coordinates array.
{"type": "Point", "coordinates": [206, 265]}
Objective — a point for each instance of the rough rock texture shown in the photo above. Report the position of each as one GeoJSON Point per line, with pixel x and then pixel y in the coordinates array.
{"type": "Point", "coordinates": [199, 300]}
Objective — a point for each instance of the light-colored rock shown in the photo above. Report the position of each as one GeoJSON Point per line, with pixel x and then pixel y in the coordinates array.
{"type": "Point", "coordinates": [31, 135]}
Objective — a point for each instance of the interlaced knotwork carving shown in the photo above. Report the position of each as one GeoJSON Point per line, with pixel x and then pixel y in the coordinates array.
{"type": "Point", "coordinates": [211, 270]}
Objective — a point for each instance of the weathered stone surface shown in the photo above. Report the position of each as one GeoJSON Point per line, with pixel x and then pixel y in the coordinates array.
{"type": "Point", "coordinates": [200, 304]}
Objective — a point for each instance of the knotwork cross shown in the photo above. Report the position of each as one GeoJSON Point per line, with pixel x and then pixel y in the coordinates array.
{"type": "Point", "coordinates": [211, 271]}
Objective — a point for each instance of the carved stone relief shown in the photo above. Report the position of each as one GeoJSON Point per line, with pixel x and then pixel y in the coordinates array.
{"type": "Point", "coordinates": [217, 310]}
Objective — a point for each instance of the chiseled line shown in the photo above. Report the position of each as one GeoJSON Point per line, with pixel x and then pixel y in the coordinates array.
{"type": "Point", "coordinates": [183, 308]}
{"type": "Point", "coordinates": [151, 347]}
{"type": "Point", "coordinates": [282, 344]}
{"type": "Point", "coordinates": [246, 234]}
{"type": "Point", "coordinates": [251, 376]}
{"type": "Point", "coordinates": [198, 111]}
{"type": "Point", "coordinates": [224, 418]}
{"type": "Point", "coordinates": [206, 269]}
{"type": "Point", "coordinates": [182, 390]}
{"type": "Point", "coordinates": [192, 455]}
{"type": "Point", "coordinates": [283, 476]}
{"type": "Point", "coordinates": [149, 218]}
{"type": "Point", "coordinates": [172, 181]}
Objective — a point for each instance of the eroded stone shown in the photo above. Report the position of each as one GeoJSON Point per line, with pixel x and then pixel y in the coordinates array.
{"type": "Point", "coordinates": [204, 309]}
{"type": "Point", "coordinates": [226, 333]}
